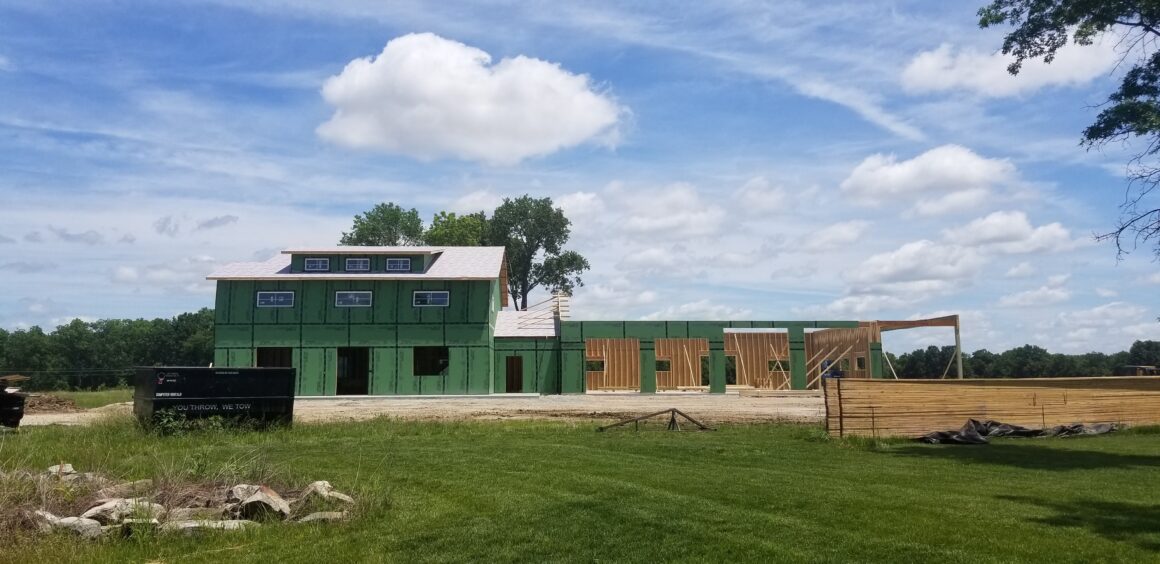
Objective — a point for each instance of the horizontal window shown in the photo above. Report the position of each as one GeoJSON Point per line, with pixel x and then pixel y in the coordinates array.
{"type": "Point", "coordinates": [352, 299]}
{"type": "Point", "coordinates": [358, 265]}
{"type": "Point", "coordinates": [398, 265]}
{"type": "Point", "coordinates": [275, 299]}
{"type": "Point", "coordinates": [317, 265]}
{"type": "Point", "coordinates": [431, 299]}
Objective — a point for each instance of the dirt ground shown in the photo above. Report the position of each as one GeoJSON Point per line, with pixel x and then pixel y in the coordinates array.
{"type": "Point", "coordinates": [711, 409]}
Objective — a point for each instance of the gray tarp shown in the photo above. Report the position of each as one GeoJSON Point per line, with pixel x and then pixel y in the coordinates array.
{"type": "Point", "coordinates": [976, 432]}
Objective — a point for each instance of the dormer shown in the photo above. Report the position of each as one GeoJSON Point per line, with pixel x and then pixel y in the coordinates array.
{"type": "Point", "coordinates": [363, 260]}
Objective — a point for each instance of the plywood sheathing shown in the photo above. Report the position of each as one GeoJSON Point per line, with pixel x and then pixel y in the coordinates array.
{"type": "Point", "coordinates": [684, 356]}
{"type": "Point", "coordinates": [621, 364]}
{"type": "Point", "coordinates": [912, 408]}
{"type": "Point", "coordinates": [754, 352]}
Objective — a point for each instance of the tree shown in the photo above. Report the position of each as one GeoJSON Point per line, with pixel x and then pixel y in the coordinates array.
{"type": "Point", "coordinates": [1145, 353]}
{"type": "Point", "coordinates": [448, 229]}
{"type": "Point", "coordinates": [534, 234]}
{"type": "Point", "coordinates": [1041, 28]}
{"type": "Point", "coordinates": [385, 225]}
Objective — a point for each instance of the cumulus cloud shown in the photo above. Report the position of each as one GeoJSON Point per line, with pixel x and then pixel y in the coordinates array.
{"type": "Point", "coordinates": [428, 97]}
{"type": "Point", "coordinates": [1011, 232]}
{"type": "Point", "coordinates": [166, 226]}
{"type": "Point", "coordinates": [835, 236]}
{"type": "Point", "coordinates": [1106, 293]}
{"type": "Point", "coordinates": [89, 237]}
{"type": "Point", "coordinates": [919, 261]}
{"type": "Point", "coordinates": [676, 208]}
{"type": "Point", "coordinates": [479, 200]}
{"type": "Point", "coordinates": [699, 310]}
{"type": "Point", "coordinates": [947, 68]}
{"type": "Point", "coordinates": [215, 222]}
{"type": "Point", "coordinates": [25, 267]}
{"type": "Point", "coordinates": [581, 204]}
{"type": "Point", "coordinates": [1043, 295]}
{"type": "Point", "coordinates": [1021, 270]}
{"type": "Point", "coordinates": [940, 180]}
{"type": "Point", "coordinates": [758, 196]}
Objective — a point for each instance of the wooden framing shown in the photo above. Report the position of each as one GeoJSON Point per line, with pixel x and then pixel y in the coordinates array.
{"type": "Point", "coordinates": [754, 353]}
{"type": "Point", "coordinates": [684, 356]}
{"type": "Point", "coordinates": [837, 345]}
{"type": "Point", "coordinates": [621, 364]}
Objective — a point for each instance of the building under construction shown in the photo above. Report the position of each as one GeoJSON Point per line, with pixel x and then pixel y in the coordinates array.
{"type": "Point", "coordinates": [431, 321]}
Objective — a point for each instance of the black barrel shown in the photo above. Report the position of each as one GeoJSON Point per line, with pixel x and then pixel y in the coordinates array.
{"type": "Point", "coordinates": [263, 396]}
{"type": "Point", "coordinates": [11, 409]}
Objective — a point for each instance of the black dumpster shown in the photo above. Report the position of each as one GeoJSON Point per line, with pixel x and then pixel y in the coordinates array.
{"type": "Point", "coordinates": [262, 396]}
{"type": "Point", "coordinates": [11, 408]}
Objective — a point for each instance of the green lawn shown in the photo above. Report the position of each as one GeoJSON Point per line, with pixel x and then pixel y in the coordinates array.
{"type": "Point", "coordinates": [538, 492]}
{"type": "Point", "coordinates": [89, 400]}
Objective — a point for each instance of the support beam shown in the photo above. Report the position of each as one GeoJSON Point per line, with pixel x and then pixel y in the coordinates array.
{"type": "Point", "coordinates": [797, 358]}
{"type": "Point", "coordinates": [716, 370]}
{"type": "Point", "coordinates": [958, 348]}
{"type": "Point", "coordinates": [648, 371]}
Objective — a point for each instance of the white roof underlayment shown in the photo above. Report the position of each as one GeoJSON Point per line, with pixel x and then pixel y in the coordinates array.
{"type": "Point", "coordinates": [451, 263]}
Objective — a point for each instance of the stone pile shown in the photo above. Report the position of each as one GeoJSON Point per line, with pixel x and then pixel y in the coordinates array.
{"type": "Point", "coordinates": [126, 509]}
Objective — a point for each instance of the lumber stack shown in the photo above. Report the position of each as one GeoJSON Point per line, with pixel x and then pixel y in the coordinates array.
{"type": "Point", "coordinates": [912, 408]}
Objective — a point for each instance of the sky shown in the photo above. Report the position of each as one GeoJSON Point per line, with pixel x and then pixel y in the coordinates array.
{"type": "Point", "coordinates": [749, 160]}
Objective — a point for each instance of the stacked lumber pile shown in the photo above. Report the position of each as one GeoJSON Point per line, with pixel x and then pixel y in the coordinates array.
{"type": "Point", "coordinates": [912, 408]}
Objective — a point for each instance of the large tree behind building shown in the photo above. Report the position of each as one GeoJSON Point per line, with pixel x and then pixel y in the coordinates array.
{"type": "Point", "coordinates": [534, 233]}
{"type": "Point", "coordinates": [449, 229]}
{"type": "Point", "coordinates": [386, 225]}
{"type": "Point", "coordinates": [1132, 112]}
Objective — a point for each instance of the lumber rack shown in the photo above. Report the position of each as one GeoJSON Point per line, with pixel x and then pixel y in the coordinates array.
{"type": "Point", "coordinates": [673, 425]}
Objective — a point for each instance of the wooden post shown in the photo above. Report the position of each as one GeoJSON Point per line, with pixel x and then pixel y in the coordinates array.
{"type": "Point", "coordinates": [958, 348]}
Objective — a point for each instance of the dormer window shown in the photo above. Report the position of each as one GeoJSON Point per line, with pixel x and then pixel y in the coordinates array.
{"type": "Point", "coordinates": [398, 265]}
{"type": "Point", "coordinates": [358, 265]}
{"type": "Point", "coordinates": [317, 265]}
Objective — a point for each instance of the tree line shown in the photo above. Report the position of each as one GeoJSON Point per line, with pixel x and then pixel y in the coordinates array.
{"type": "Point", "coordinates": [1027, 361]}
{"type": "Point", "coordinates": [86, 355]}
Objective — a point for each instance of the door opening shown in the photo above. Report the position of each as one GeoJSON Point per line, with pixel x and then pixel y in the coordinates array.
{"type": "Point", "coordinates": [274, 357]}
{"type": "Point", "coordinates": [515, 374]}
{"type": "Point", "coordinates": [353, 371]}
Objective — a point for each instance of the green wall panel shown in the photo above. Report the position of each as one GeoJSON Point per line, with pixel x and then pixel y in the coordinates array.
{"type": "Point", "coordinates": [336, 315]}
{"type": "Point", "coordinates": [387, 301]}
{"type": "Point", "coordinates": [716, 371]}
{"type": "Point", "coordinates": [548, 371]}
{"type": "Point", "coordinates": [570, 331]}
{"type": "Point", "coordinates": [476, 335]}
{"type": "Point", "coordinates": [242, 301]}
{"type": "Point", "coordinates": [314, 302]}
{"type": "Point", "coordinates": [677, 329]}
{"type": "Point", "coordinates": [420, 335]}
{"type": "Point", "coordinates": [290, 314]}
{"type": "Point", "coordinates": [455, 382]}
{"type": "Point", "coordinates": [221, 357]}
{"type": "Point", "coordinates": [407, 384]}
{"type": "Point", "coordinates": [325, 335]}
{"type": "Point", "coordinates": [265, 314]}
{"type": "Point", "coordinates": [479, 301]}
{"type": "Point", "coordinates": [479, 370]}
{"type": "Point", "coordinates": [362, 314]}
{"type": "Point", "coordinates": [603, 329]}
{"type": "Point", "coordinates": [241, 357]}
{"type": "Point", "coordinates": [386, 371]}
{"type": "Point", "coordinates": [408, 313]}
{"type": "Point", "coordinates": [431, 314]}
{"type": "Point", "coordinates": [645, 329]}
{"type": "Point", "coordinates": [330, 376]}
{"type": "Point", "coordinates": [712, 330]}
{"type": "Point", "coordinates": [277, 335]}
{"type": "Point", "coordinates": [458, 296]}
{"type": "Point", "coordinates": [373, 335]}
{"type": "Point", "coordinates": [648, 371]}
{"type": "Point", "coordinates": [310, 377]}
{"type": "Point", "coordinates": [233, 336]}
{"type": "Point", "coordinates": [572, 372]}
{"type": "Point", "coordinates": [221, 308]}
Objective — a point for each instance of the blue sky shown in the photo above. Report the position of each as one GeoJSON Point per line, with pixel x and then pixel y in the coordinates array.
{"type": "Point", "coordinates": [859, 160]}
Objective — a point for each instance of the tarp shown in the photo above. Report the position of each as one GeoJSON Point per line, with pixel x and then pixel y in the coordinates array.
{"type": "Point", "coordinates": [976, 432]}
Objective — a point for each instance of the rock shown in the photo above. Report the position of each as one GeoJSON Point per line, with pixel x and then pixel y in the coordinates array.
{"type": "Point", "coordinates": [263, 504]}
{"type": "Point", "coordinates": [194, 526]}
{"type": "Point", "coordinates": [127, 489]}
{"type": "Point", "coordinates": [130, 527]}
{"type": "Point", "coordinates": [324, 490]}
{"type": "Point", "coordinates": [194, 513]}
{"type": "Point", "coordinates": [45, 521]}
{"type": "Point", "coordinates": [241, 492]}
{"type": "Point", "coordinates": [87, 528]}
{"type": "Point", "coordinates": [61, 469]}
{"type": "Point", "coordinates": [117, 510]}
{"type": "Point", "coordinates": [324, 516]}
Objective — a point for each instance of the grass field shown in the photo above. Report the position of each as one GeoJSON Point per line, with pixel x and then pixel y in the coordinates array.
{"type": "Point", "coordinates": [538, 492]}
{"type": "Point", "coordinates": [89, 400]}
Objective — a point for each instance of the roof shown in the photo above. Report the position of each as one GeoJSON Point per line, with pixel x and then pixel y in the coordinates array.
{"type": "Point", "coordinates": [358, 250]}
{"type": "Point", "coordinates": [537, 323]}
{"type": "Point", "coordinates": [451, 263]}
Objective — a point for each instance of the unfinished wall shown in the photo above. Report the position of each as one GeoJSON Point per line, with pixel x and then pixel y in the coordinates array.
{"type": "Point", "coordinates": [684, 360]}
{"type": "Point", "coordinates": [621, 359]}
{"type": "Point", "coordinates": [912, 408]}
{"type": "Point", "coordinates": [843, 347]}
{"type": "Point", "coordinates": [762, 359]}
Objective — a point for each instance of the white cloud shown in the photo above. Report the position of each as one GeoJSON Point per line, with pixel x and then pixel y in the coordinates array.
{"type": "Point", "coordinates": [947, 68]}
{"type": "Point", "coordinates": [126, 274]}
{"type": "Point", "coordinates": [1011, 232]}
{"type": "Point", "coordinates": [835, 236]}
{"type": "Point", "coordinates": [860, 102]}
{"type": "Point", "coordinates": [6, 64]}
{"type": "Point", "coordinates": [677, 208]}
{"type": "Point", "coordinates": [943, 179]}
{"type": "Point", "coordinates": [1106, 293]}
{"type": "Point", "coordinates": [1044, 295]}
{"type": "Point", "coordinates": [699, 310]}
{"type": "Point", "coordinates": [1021, 270]}
{"type": "Point", "coordinates": [580, 205]}
{"type": "Point", "coordinates": [428, 97]}
{"type": "Point", "coordinates": [919, 261]}
{"type": "Point", "coordinates": [1153, 279]}
{"type": "Point", "coordinates": [479, 200]}
{"type": "Point", "coordinates": [1104, 316]}
{"type": "Point", "coordinates": [758, 196]}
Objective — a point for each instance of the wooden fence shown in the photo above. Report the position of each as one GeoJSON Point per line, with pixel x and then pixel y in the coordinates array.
{"type": "Point", "coordinates": [912, 408]}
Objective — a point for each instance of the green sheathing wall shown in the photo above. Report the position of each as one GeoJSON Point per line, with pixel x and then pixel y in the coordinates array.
{"type": "Point", "coordinates": [316, 329]}
{"type": "Point", "coordinates": [574, 333]}
{"type": "Point", "coordinates": [541, 364]}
